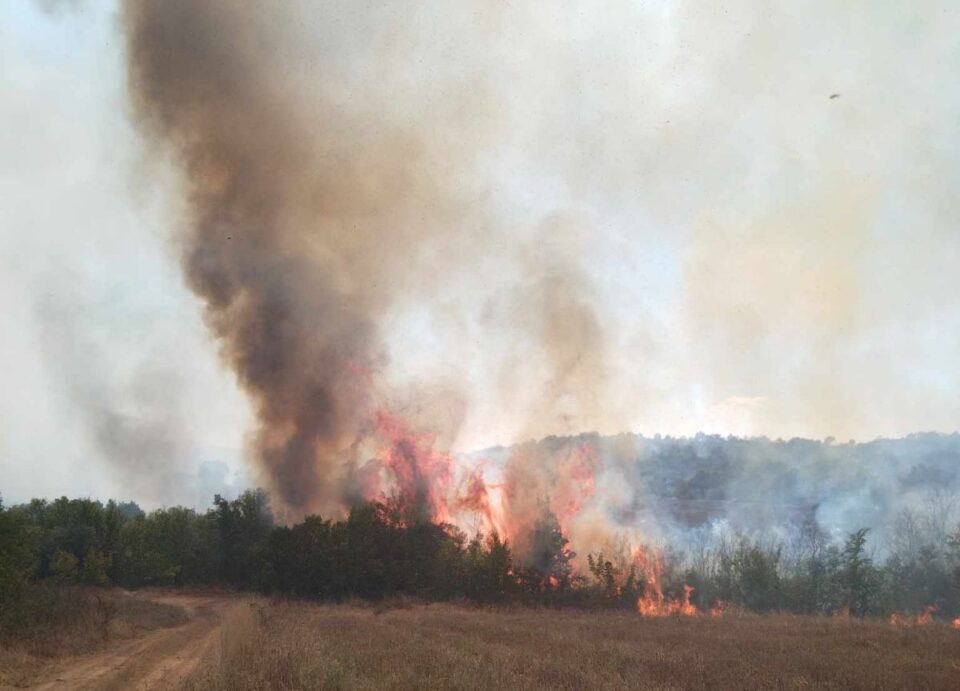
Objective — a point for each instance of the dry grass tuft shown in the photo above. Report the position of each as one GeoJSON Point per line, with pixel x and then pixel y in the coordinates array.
{"type": "Point", "coordinates": [295, 646]}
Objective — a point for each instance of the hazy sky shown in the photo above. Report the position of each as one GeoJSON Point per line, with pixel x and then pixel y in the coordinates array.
{"type": "Point", "coordinates": [764, 258]}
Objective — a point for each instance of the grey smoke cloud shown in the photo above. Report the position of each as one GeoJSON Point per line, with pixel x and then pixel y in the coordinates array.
{"type": "Point", "coordinates": [131, 414]}
{"type": "Point", "coordinates": [54, 7]}
{"type": "Point", "coordinates": [682, 491]}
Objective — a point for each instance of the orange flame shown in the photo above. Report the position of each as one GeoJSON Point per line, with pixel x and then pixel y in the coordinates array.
{"type": "Point", "coordinates": [422, 475]}
{"type": "Point", "coordinates": [653, 603]}
{"type": "Point", "coordinates": [922, 619]}
{"type": "Point", "coordinates": [718, 609]}
{"type": "Point", "coordinates": [421, 480]}
{"type": "Point", "coordinates": [956, 623]}
{"type": "Point", "coordinates": [484, 499]}
{"type": "Point", "coordinates": [575, 484]}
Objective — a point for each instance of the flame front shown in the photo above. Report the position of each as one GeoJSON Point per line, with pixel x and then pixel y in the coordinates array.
{"type": "Point", "coordinates": [923, 619]}
{"type": "Point", "coordinates": [926, 616]}
{"type": "Point", "coordinates": [653, 603]}
{"type": "Point", "coordinates": [575, 484]}
{"type": "Point", "coordinates": [485, 500]}
{"type": "Point", "coordinates": [422, 476]}
{"type": "Point", "coordinates": [419, 480]}
{"type": "Point", "coordinates": [719, 609]}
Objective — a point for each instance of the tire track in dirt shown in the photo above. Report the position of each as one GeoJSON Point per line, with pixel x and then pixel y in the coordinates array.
{"type": "Point", "coordinates": [158, 660]}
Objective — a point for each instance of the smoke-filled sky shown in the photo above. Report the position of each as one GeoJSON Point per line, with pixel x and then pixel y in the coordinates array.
{"type": "Point", "coordinates": [541, 217]}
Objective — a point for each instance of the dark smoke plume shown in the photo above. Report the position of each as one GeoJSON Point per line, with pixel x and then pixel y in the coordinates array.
{"type": "Point", "coordinates": [205, 83]}
{"type": "Point", "coordinates": [302, 209]}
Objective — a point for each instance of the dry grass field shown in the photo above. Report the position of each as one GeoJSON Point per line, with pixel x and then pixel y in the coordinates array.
{"type": "Point", "coordinates": [204, 641]}
{"type": "Point", "coordinates": [306, 646]}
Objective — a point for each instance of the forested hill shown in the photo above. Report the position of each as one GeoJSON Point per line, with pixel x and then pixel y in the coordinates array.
{"type": "Point", "coordinates": [765, 487]}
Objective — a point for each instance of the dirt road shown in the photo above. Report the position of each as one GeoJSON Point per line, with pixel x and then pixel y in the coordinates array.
{"type": "Point", "coordinates": [158, 660]}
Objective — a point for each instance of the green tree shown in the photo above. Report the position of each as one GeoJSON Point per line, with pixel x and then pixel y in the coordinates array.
{"type": "Point", "coordinates": [489, 566]}
{"type": "Point", "coordinates": [813, 588]}
{"type": "Point", "coordinates": [300, 559]}
{"type": "Point", "coordinates": [548, 566]}
{"type": "Point", "coordinates": [244, 525]}
{"type": "Point", "coordinates": [857, 575]}
{"type": "Point", "coordinates": [139, 560]}
{"type": "Point", "coordinates": [18, 553]}
{"type": "Point", "coordinates": [64, 567]}
{"type": "Point", "coordinates": [93, 570]}
{"type": "Point", "coordinates": [749, 575]}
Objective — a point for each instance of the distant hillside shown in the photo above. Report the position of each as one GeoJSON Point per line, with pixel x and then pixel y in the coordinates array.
{"type": "Point", "coordinates": [676, 487]}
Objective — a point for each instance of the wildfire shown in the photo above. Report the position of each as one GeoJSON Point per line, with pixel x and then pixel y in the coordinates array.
{"type": "Point", "coordinates": [956, 623]}
{"type": "Point", "coordinates": [422, 481]}
{"type": "Point", "coordinates": [653, 603]}
{"type": "Point", "coordinates": [719, 608]}
{"type": "Point", "coordinates": [575, 484]}
{"type": "Point", "coordinates": [922, 619]}
{"type": "Point", "coordinates": [423, 475]}
{"type": "Point", "coordinates": [484, 499]}
{"type": "Point", "coordinates": [657, 606]}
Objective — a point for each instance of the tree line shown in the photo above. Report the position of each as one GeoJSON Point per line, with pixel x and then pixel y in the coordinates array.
{"type": "Point", "coordinates": [381, 550]}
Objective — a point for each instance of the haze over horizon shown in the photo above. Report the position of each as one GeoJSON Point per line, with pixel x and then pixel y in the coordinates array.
{"type": "Point", "coordinates": [656, 218]}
